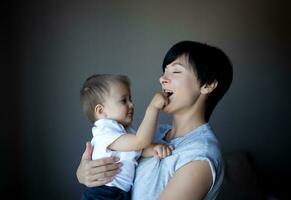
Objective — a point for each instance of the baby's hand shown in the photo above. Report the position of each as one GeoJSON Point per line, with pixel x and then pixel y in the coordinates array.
{"type": "Point", "coordinates": [162, 150]}
{"type": "Point", "coordinates": [159, 101]}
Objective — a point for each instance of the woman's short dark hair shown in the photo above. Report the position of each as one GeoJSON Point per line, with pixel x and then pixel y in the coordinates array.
{"type": "Point", "coordinates": [209, 64]}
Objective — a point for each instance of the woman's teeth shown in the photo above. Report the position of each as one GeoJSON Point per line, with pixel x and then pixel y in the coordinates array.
{"type": "Point", "coordinates": [168, 92]}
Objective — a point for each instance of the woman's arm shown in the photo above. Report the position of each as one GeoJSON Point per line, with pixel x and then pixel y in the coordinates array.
{"type": "Point", "coordinates": [93, 173]}
{"type": "Point", "coordinates": [191, 181]}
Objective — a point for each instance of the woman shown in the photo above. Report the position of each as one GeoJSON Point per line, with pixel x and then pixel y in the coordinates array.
{"type": "Point", "coordinates": [195, 78]}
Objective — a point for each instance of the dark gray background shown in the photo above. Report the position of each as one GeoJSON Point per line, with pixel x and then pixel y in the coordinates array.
{"type": "Point", "coordinates": [55, 45]}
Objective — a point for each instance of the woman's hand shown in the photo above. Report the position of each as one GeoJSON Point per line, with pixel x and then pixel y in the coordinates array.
{"type": "Point", "coordinates": [93, 173]}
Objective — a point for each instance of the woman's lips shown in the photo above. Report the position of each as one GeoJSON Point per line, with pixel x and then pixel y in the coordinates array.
{"type": "Point", "coordinates": [168, 92]}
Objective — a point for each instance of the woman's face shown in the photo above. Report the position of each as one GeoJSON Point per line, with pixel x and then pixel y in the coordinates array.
{"type": "Point", "coordinates": [181, 85]}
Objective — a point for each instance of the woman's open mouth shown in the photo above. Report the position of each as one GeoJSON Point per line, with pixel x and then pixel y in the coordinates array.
{"type": "Point", "coordinates": [168, 92]}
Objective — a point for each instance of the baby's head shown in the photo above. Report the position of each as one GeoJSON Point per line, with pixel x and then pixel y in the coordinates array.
{"type": "Point", "coordinates": [107, 96]}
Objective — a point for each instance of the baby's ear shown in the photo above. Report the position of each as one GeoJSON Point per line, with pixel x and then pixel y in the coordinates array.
{"type": "Point", "coordinates": [208, 88]}
{"type": "Point", "coordinates": [99, 110]}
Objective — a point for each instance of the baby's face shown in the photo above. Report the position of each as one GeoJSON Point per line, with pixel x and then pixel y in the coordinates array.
{"type": "Point", "coordinates": [118, 104]}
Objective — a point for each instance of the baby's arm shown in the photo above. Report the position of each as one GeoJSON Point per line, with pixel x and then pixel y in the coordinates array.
{"type": "Point", "coordinates": [157, 150]}
{"type": "Point", "coordinates": [146, 130]}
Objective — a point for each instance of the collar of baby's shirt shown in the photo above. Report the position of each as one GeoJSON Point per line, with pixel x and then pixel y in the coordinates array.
{"type": "Point", "coordinates": [101, 121]}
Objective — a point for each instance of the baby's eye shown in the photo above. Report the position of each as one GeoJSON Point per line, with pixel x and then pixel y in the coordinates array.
{"type": "Point", "coordinates": [176, 72]}
{"type": "Point", "coordinates": [123, 101]}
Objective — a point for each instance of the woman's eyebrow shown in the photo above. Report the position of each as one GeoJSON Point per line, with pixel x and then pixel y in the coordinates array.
{"type": "Point", "coordinates": [176, 64]}
{"type": "Point", "coordinates": [179, 64]}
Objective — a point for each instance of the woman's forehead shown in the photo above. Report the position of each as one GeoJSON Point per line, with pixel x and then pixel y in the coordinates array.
{"type": "Point", "coordinates": [181, 61]}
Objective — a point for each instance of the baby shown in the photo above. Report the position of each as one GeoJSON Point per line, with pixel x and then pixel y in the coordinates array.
{"type": "Point", "coordinates": [106, 100]}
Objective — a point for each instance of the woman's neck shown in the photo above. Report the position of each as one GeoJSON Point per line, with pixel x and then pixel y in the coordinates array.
{"type": "Point", "coordinates": [184, 123]}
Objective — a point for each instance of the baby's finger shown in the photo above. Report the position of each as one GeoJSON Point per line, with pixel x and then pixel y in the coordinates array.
{"type": "Point", "coordinates": [165, 152]}
{"type": "Point", "coordinates": [160, 153]}
{"type": "Point", "coordinates": [156, 154]}
{"type": "Point", "coordinates": [169, 151]}
{"type": "Point", "coordinates": [165, 97]}
{"type": "Point", "coordinates": [171, 147]}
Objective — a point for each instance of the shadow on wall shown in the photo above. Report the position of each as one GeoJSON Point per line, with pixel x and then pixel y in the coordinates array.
{"type": "Point", "coordinates": [242, 181]}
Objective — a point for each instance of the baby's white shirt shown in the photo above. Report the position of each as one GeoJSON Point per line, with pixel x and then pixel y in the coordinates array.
{"type": "Point", "coordinates": [105, 132]}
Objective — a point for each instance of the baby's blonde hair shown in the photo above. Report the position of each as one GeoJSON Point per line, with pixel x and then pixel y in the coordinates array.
{"type": "Point", "coordinates": [94, 90]}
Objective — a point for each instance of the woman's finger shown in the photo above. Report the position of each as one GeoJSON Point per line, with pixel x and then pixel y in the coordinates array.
{"type": "Point", "coordinates": [87, 155]}
{"type": "Point", "coordinates": [105, 168]}
{"type": "Point", "coordinates": [103, 161]}
{"type": "Point", "coordinates": [105, 175]}
{"type": "Point", "coordinates": [99, 182]}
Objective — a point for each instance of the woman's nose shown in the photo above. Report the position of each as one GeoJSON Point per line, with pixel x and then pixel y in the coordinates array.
{"type": "Point", "coordinates": [164, 79]}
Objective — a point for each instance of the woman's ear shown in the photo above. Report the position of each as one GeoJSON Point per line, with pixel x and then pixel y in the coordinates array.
{"type": "Point", "coordinates": [208, 88]}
